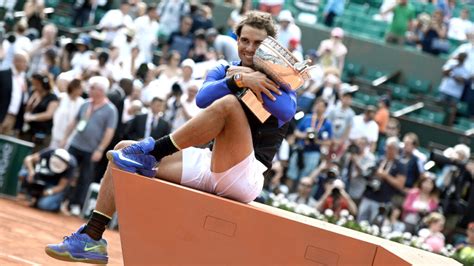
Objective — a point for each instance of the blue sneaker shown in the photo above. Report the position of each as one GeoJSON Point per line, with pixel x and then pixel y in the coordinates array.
{"type": "Point", "coordinates": [134, 163]}
{"type": "Point", "coordinates": [79, 248]}
{"type": "Point", "coordinates": [142, 147]}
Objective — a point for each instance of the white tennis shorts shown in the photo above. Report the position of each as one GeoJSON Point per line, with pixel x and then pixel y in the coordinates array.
{"type": "Point", "coordinates": [243, 182]}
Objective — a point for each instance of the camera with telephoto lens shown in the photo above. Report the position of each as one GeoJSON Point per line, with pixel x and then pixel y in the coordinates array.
{"type": "Point", "coordinates": [373, 182]}
{"type": "Point", "coordinates": [353, 149]}
{"type": "Point", "coordinates": [36, 188]}
{"type": "Point", "coordinates": [310, 135]}
{"type": "Point", "coordinates": [438, 157]}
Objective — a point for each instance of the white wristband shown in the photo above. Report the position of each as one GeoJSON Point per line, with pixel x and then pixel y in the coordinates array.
{"type": "Point", "coordinates": [49, 191]}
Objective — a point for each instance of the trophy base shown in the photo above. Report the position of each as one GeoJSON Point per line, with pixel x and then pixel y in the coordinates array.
{"type": "Point", "coordinates": [251, 101]}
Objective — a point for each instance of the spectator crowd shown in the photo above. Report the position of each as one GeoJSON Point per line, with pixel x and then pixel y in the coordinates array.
{"type": "Point", "coordinates": [137, 75]}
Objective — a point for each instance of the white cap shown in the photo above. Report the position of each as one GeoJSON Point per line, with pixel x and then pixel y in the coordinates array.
{"type": "Point", "coordinates": [188, 62]}
{"type": "Point", "coordinates": [285, 15]}
{"type": "Point", "coordinates": [59, 161]}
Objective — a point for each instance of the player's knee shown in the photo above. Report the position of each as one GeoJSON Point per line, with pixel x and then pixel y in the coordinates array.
{"type": "Point", "coordinates": [123, 143]}
{"type": "Point", "coordinates": [227, 104]}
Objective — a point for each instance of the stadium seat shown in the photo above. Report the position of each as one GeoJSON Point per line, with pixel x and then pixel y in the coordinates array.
{"type": "Point", "coordinates": [372, 74]}
{"type": "Point", "coordinates": [418, 86]}
{"type": "Point", "coordinates": [400, 92]}
{"type": "Point", "coordinates": [429, 116]}
{"type": "Point", "coordinates": [365, 99]}
{"type": "Point", "coordinates": [396, 106]}
{"type": "Point", "coordinates": [462, 109]}
{"type": "Point", "coordinates": [352, 69]}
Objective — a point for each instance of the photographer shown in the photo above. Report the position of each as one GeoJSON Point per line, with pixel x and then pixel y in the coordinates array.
{"type": "Point", "coordinates": [388, 180]}
{"type": "Point", "coordinates": [336, 198]}
{"type": "Point", "coordinates": [313, 134]}
{"type": "Point", "coordinates": [49, 172]}
{"type": "Point", "coordinates": [357, 164]}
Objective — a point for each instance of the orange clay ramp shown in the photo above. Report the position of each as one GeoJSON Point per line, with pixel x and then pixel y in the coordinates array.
{"type": "Point", "coordinates": [165, 223]}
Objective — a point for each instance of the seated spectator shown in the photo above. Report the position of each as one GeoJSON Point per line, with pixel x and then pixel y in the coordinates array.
{"type": "Point", "coordinates": [432, 235]}
{"type": "Point", "coordinates": [69, 103]}
{"type": "Point", "coordinates": [363, 125]}
{"type": "Point", "coordinates": [403, 14]}
{"type": "Point", "coordinates": [387, 181]}
{"type": "Point", "coordinates": [149, 124]}
{"type": "Point", "coordinates": [455, 75]}
{"type": "Point", "coordinates": [49, 174]}
{"type": "Point", "coordinates": [434, 39]}
{"type": "Point", "coordinates": [39, 112]}
{"type": "Point", "coordinates": [416, 30]}
{"type": "Point", "coordinates": [313, 134]}
{"type": "Point", "coordinates": [393, 220]}
{"type": "Point", "coordinates": [336, 199]}
{"type": "Point", "coordinates": [420, 201]}
{"type": "Point", "coordinates": [17, 43]}
{"type": "Point", "coordinates": [332, 52]}
{"type": "Point", "coordinates": [303, 195]}
{"type": "Point", "coordinates": [458, 27]}
{"type": "Point", "coordinates": [469, 241]}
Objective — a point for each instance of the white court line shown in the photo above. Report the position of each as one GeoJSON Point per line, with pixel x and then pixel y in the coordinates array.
{"type": "Point", "coordinates": [20, 259]}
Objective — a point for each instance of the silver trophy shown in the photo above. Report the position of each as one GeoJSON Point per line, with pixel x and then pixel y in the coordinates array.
{"type": "Point", "coordinates": [281, 66]}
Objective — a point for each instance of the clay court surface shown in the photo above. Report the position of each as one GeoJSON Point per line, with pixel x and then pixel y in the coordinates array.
{"type": "Point", "coordinates": [25, 231]}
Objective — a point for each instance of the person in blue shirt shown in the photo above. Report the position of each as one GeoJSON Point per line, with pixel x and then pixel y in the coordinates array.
{"type": "Point", "coordinates": [242, 151]}
{"type": "Point", "coordinates": [313, 134]}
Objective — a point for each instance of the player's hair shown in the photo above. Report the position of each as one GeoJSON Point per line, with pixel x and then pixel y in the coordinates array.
{"type": "Point", "coordinates": [259, 20]}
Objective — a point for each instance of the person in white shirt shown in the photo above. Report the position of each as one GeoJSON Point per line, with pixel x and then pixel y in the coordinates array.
{"type": "Point", "coordinates": [146, 30]}
{"type": "Point", "coordinates": [186, 79]}
{"type": "Point", "coordinates": [187, 107]}
{"type": "Point", "coordinates": [287, 29]}
{"type": "Point", "coordinates": [66, 112]}
{"type": "Point", "coordinates": [459, 26]}
{"type": "Point", "coordinates": [20, 43]}
{"type": "Point", "coordinates": [332, 52]}
{"type": "Point", "coordinates": [364, 126]}
{"type": "Point", "coordinates": [81, 60]}
{"type": "Point", "coordinates": [114, 20]}
{"type": "Point", "coordinates": [13, 92]}
{"type": "Point", "coordinates": [225, 46]}
{"type": "Point", "coordinates": [170, 13]}
{"type": "Point", "coordinates": [39, 48]}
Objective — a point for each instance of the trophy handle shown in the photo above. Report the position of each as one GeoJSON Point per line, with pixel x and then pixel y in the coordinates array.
{"type": "Point", "coordinates": [305, 74]}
